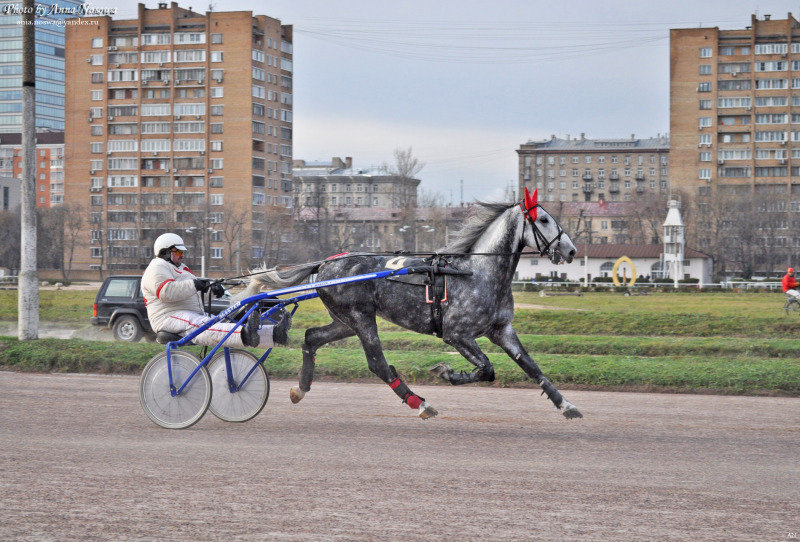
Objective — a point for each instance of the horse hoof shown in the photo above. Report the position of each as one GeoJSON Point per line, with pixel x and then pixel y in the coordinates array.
{"type": "Point", "coordinates": [427, 411]}
{"type": "Point", "coordinates": [442, 370]}
{"type": "Point", "coordinates": [296, 394]}
{"type": "Point", "coordinates": [571, 412]}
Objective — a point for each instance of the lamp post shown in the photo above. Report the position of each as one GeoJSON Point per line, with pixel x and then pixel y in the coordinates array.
{"type": "Point", "coordinates": [193, 229]}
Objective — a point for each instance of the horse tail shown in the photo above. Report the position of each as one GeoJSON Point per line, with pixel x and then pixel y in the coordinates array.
{"type": "Point", "coordinates": [273, 278]}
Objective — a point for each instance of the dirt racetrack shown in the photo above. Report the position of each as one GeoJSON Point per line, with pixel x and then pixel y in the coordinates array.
{"type": "Point", "coordinates": [79, 460]}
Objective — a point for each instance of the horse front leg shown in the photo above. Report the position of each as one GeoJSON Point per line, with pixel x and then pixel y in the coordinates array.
{"type": "Point", "coordinates": [315, 338]}
{"type": "Point", "coordinates": [468, 348]}
{"type": "Point", "coordinates": [506, 338]}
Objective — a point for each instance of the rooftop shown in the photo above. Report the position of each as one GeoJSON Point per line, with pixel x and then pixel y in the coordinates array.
{"type": "Point", "coordinates": [660, 142]}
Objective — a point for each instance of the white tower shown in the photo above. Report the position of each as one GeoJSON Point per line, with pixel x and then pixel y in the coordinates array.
{"type": "Point", "coordinates": [673, 241]}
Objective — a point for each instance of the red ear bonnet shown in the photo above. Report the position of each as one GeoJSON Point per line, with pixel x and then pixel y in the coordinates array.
{"type": "Point", "coordinates": [531, 203]}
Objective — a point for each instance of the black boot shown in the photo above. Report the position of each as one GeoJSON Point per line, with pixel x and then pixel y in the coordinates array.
{"type": "Point", "coordinates": [250, 330]}
{"type": "Point", "coordinates": [280, 333]}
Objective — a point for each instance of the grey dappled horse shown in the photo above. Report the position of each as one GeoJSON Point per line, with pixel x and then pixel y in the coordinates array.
{"type": "Point", "coordinates": [478, 304]}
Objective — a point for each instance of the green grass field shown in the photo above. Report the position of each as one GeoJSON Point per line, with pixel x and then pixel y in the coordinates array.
{"type": "Point", "coordinates": [716, 342]}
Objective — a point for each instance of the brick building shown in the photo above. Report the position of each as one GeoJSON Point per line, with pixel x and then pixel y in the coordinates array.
{"type": "Point", "coordinates": [581, 169]}
{"type": "Point", "coordinates": [49, 165]}
{"type": "Point", "coordinates": [178, 121]}
{"type": "Point", "coordinates": [734, 102]}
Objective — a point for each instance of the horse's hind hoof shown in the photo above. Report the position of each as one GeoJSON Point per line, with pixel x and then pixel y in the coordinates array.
{"type": "Point", "coordinates": [427, 411]}
{"type": "Point", "coordinates": [296, 394]}
{"type": "Point", "coordinates": [442, 370]}
{"type": "Point", "coordinates": [571, 412]}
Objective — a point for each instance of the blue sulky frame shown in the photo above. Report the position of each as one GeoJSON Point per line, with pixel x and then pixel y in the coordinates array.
{"type": "Point", "coordinates": [253, 302]}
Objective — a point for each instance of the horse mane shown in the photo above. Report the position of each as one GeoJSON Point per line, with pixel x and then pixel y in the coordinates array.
{"type": "Point", "coordinates": [464, 239]}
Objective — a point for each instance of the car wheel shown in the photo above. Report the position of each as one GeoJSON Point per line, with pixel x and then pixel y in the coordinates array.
{"type": "Point", "coordinates": [127, 328]}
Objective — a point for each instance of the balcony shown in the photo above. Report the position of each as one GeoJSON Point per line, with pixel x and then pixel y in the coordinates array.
{"type": "Point", "coordinates": [614, 176]}
{"type": "Point", "coordinates": [588, 188]}
{"type": "Point", "coordinates": [614, 188]}
{"type": "Point", "coordinates": [587, 176]}
{"type": "Point", "coordinates": [640, 187]}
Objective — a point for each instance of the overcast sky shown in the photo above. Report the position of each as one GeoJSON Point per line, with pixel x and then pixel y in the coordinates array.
{"type": "Point", "coordinates": [465, 82]}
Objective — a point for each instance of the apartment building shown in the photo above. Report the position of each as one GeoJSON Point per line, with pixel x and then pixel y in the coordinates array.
{"type": "Point", "coordinates": [50, 70]}
{"type": "Point", "coordinates": [337, 184]}
{"type": "Point", "coordinates": [582, 169]}
{"type": "Point", "coordinates": [178, 121]}
{"type": "Point", "coordinates": [49, 165]}
{"type": "Point", "coordinates": [735, 109]}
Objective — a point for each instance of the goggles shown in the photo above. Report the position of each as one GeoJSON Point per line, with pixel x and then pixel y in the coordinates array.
{"type": "Point", "coordinates": [177, 252]}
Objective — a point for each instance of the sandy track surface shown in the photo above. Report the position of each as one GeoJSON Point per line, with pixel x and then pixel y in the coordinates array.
{"type": "Point", "coordinates": [79, 460]}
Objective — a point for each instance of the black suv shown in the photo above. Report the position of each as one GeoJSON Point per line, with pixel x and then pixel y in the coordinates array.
{"type": "Point", "coordinates": [120, 305]}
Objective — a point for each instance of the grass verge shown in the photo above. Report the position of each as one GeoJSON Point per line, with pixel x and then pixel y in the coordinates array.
{"type": "Point", "coordinates": [752, 375]}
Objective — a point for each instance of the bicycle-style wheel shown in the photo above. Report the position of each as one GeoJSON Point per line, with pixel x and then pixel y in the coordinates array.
{"type": "Point", "coordinates": [792, 306]}
{"type": "Point", "coordinates": [183, 410]}
{"type": "Point", "coordinates": [245, 403]}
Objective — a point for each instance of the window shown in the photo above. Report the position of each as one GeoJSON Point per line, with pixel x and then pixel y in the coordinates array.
{"type": "Point", "coordinates": [217, 110]}
{"type": "Point", "coordinates": [190, 55]}
{"type": "Point", "coordinates": [190, 37]}
{"type": "Point", "coordinates": [705, 104]}
{"type": "Point", "coordinates": [155, 57]}
{"type": "Point", "coordinates": [217, 199]}
{"type": "Point", "coordinates": [705, 122]}
{"type": "Point", "coordinates": [768, 84]}
{"type": "Point", "coordinates": [216, 253]}
{"type": "Point", "coordinates": [727, 51]}
{"type": "Point", "coordinates": [216, 38]}
{"type": "Point", "coordinates": [155, 110]}
{"type": "Point", "coordinates": [216, 145]}
{"type": "Point", "coordinates": [216, 163]}
{"type": "Point", "coordinates": [705, 69]}
{"type": "Point", "coordinates": [705, 156]}
{"type": "Point", "coordinates": [704, 87]}
{"type": "Point", "coordinates": [216, 128]}
{"type": "Point", "coordinates": [217, 92]}
{"type": "Point", "coordinates": [705, 173]}
{"type": "Point", "coordinates": [97, 43]}
{"type": "Point", "coordinates": [770, 48]}
{"type": "Point", "coordinates": [705, 52]}
{"type": "Point", "coordinates": [97, 147]}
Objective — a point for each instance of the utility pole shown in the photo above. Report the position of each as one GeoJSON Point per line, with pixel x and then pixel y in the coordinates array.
{"type": "Point", "coordinates": [28, 296]}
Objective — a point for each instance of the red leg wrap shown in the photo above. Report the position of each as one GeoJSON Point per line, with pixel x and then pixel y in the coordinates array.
{"type": "Point", "coordinates": [414, 402]}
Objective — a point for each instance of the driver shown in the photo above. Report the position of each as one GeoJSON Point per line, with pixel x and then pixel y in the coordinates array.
{"type": "Point", "coordinates": [172, 295]}
{"type": "Point", "coordinates": [790, 284]}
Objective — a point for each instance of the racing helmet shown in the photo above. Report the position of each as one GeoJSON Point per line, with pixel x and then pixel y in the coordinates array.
{"type": "Point", "coordinates": [168, 240]}
{"type": "Point", "coordinates": [791, 270]}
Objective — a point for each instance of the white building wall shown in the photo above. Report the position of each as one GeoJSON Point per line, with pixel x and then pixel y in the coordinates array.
{"type": "Point", "coordinates": [699, 268]}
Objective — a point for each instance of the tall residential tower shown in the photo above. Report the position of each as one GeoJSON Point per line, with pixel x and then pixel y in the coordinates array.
{"type": "Point", "coordinates": [179, 121]}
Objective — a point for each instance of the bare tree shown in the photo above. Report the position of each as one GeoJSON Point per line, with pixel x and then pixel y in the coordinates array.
{"type": "Point", "coordinates": [74, 228]}
{"type": "Point", "coordinates": [232, 227]}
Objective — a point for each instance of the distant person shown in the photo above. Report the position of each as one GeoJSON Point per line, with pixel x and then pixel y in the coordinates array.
{"type": "Point", "coordinates": [790, 284]}
{"type": "Point", "coordinates": [172, 295]}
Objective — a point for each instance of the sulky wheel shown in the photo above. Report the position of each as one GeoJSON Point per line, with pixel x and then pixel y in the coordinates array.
{"type": "Point", "coordinates": [181, 411]}
{"type": "Point", "coordinates": [243, 404]}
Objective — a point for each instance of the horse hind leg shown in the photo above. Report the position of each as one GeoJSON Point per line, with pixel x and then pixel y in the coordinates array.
{"type": "Point", "coordinates": [315, 338]}
{"type": "Point", "coordinates": [367, 331]}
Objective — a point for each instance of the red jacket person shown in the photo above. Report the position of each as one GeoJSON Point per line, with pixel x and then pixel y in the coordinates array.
{"type": "Point", "coordinates": [172, 295]}
{"type": "Point", "coordinates": [790, 284]}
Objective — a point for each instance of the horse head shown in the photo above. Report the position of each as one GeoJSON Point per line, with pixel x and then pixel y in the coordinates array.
{"type": "Point", "coordinates": [543, 232]}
